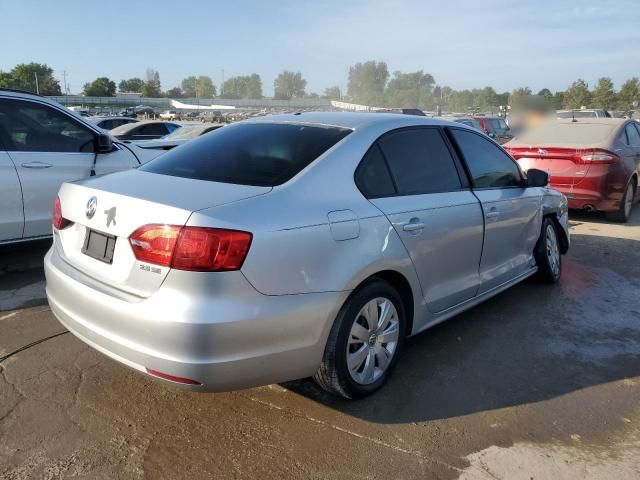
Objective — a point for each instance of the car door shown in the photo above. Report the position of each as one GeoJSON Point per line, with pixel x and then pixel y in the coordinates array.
{"type": "Point", "coordinates": [47, 147]}
{"type": "Point", "coordinates": [631, 148]}
{"type": "Point", "coordinates": [429, 204]}
{"type": "Point", "coordinates": [11, 214]}
{"type": "Point", "coordinates": [512, 211]}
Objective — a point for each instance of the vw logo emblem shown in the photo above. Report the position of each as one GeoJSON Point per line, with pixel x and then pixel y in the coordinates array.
{"type": "Point", "coordinates": [92, 205]}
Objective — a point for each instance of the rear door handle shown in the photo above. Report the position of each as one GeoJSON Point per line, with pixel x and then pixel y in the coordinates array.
{"type": "Point", "coordinates": [413, 226]}
{"type": "Point", "coordinates": [36, 165]}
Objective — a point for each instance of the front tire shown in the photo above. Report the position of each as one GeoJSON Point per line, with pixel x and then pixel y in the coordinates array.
{"type": "Point", "coordinates": [364, 343]}
{"type": "Point", "coordinates": [547, 253]}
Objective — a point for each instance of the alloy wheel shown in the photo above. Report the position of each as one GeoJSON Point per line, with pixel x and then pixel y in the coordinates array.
{"type": "Point", "coordinates": [628, 201]}
{"type": "Point", "coordinates": [553, 252]}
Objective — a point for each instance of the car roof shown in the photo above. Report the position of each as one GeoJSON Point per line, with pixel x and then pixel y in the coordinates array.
{"type": "Point", "coordinates": [351, 120]}
{"type": "Point", "coordinates": [107, 117]}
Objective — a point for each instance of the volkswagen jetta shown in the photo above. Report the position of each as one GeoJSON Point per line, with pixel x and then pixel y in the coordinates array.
{"type": "Point", "coordinates": [298, 245]}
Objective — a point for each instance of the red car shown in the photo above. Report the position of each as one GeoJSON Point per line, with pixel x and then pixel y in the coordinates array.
{"type": "Point", "coordinates": [595, 162]}
{"type": "Point", "coordinates": [496, 128]}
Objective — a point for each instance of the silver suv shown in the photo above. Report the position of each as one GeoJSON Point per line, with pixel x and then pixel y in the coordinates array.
{"type": "Point", "coordinates": [42, 145]}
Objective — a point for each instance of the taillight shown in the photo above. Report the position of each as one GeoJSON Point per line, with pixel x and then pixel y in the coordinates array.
{"type": "Point", "coordinates": [191, 248]}
{"type": "Point", "coordinates": [155, 243]}
{"type": "Point", "coordinates": [58, 221]}
{"type": "Point", "coordinates": [599, 156]}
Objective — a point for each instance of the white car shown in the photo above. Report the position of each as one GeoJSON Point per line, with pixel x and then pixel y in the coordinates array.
{"type": "Point", "coordinates": [170, 115]}
{"type": "Point", "coordinates": [42, 145]}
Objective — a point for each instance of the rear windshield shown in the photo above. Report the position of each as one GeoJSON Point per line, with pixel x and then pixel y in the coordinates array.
{"type": "Point", "coordinates": [260, 154]}
{"type": "Point", "coordinates": [569, 133]}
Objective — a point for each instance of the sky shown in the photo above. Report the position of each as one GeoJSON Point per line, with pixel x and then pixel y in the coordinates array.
{"type": "Point", "coordinates": [463, 44]}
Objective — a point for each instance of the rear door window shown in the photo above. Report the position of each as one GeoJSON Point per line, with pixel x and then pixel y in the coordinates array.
{"type": "Point", "coordinates": [420, 161]}
{"type": "Point", "coordinates": [633, 137]}
{"type": "Point", "coordinates": [260, 154]}
{"type": "Point", "coordinates": [373, 177]}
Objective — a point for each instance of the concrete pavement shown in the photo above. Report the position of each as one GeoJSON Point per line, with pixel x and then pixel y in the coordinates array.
{"type": "Point", "coordinates": [539, 382]}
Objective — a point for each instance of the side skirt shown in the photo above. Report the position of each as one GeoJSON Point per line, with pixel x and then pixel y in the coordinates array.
{"type": "Point", "coordinates": [472, 302]}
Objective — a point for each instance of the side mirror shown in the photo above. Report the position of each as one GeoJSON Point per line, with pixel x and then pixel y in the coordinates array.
{"type": "Point", "coordinates": [104, 144]}
{"type": "Point", "coordinates": [537, 178]}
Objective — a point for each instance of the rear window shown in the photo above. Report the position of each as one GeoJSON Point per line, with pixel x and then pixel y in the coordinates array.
{"type": "Point", "coordinates": [260, 154]}
{"type": "Point", "coordinates": [567, 133]}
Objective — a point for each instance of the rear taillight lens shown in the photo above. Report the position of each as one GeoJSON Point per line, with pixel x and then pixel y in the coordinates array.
{"type": "Point", "coordinates": [58, 221]}
{"type": "Point", "coordinates": [191, 248]}
{"type": "Point", "coordinates": [599, 156]}
{"type": "Point", "coordinates": [155, 243]}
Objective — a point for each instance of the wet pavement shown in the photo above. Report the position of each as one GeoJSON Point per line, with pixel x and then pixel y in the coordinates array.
{"type": "Point", "coordinates": [539, 382]}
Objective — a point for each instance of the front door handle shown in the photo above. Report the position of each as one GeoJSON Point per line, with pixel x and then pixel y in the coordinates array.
{"type": "Point", "coordinates": [36, 165]}
{"type": "Point", "coordinates": [413, 226]}
{"type": "Point", "coordinates": [493, 214]}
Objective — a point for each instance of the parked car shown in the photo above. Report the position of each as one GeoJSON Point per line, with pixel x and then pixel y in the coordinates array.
{"type": "Point", "coordinates": [496, 128]}
{"type": "Point", "coordinates": [180, 136]}
{"type": "Point", "coordinates": [170, 115]}
{"type": "Point", "coordinates": [145, 130]}
{"type": "Point", "coordinates": [583, 113]}
{"type": "Point", "coordinates": [469, 121]}
{"type": "Point", "coordinates": [593, 161]}
{"type": "Point", "coordinates": [405, 111]}
{"type": "Point", "coordinates": [224, 264]}
{"type": "Point", "coordinates": [109, 123]}
{"type": "Point", "coordinates": [43, 144]}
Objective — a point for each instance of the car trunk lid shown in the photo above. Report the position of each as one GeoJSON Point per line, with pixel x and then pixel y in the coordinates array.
{"type": "Point", "coordinates": [122, 203]}
{"type": "Point", "coordinates": [565, 166]}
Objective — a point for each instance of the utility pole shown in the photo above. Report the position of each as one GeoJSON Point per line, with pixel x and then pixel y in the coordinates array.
{"type": "Point", "coordinates": [66, 88]}
{"type": "Point", "coordinates": [37, 88]}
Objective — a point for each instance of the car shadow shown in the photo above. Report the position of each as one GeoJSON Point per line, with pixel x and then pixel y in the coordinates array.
{"type": "Point", "coordinates": [531, 343]}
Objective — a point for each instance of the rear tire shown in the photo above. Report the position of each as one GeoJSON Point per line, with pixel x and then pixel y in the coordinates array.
{"type": "Point", "coordinates": [626, 204]}
{"type": "Point", "coordinates": [364, 342]}
{"type": "Point", "coordinates": [547, 253]}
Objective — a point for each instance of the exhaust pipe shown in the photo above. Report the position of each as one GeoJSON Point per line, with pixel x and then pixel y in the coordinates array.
{"type": "Point", "coordinates": [589, 208]}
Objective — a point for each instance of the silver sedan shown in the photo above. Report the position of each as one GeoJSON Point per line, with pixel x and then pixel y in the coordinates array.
{"type": "Point", "coordinates": [298, 245]}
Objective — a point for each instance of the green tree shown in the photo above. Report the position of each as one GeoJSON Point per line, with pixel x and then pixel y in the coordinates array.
{"type": "Point", "coordinates": [411, 89]}
{"type": "Point", "coordinates": [248, 86]}
{"type": "Point", "coordinates": [151, 87]}
{"type": "Point", "coordinates": [333, 93]}
{"type": "Point", "coordinates": [200, 87]}
{"type": "Point", "coordinates": [367, 82]}
{"type": "Point", "coordinates": [577, 95]}
{"type": "Point", "coordinates": [518, 95]}
{"type": "Point", "coordinates": [100, 87]}
{"type": "Point", "coordinates": [629, 94]}
{"type": "Point", "coordinates": [603, 95]}
{"type": "Point", "coordinates": [288, 85]}
{"type": "Point", "coordinates": [546, 94]}
{"type": "Point", "coordinates": [487, 99]}
{"type": "Point", "coordinates": [131, 85]}
{"type": "Point", "coordinates": [175, 92]}
{"type": "Point", "coordinates": [23, 77]}
{"type": "Point", "coordinates": [558, 100]}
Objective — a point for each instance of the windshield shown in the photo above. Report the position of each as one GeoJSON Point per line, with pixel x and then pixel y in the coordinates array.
{"type": "Point", "coordinates": [185, 133]}
{"type": "Point", "coordinates": [260, 154]}
{"type": "Point", "coordinates": [567, 133]}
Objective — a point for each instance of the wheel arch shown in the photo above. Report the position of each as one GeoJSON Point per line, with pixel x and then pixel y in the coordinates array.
{"type": "Point", "coordinates": [399, 282]}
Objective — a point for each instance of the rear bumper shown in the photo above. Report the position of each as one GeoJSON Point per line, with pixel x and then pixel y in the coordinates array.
{"type": "Point", "coordinates": [588, 199]}
{"type": "Point", "coordinates": [224, 335]}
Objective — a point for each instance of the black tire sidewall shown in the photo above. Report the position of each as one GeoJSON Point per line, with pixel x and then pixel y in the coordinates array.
{"type": "Point", "coordinates": [544, 267]}
{"type": "Point", "coordinates": [346, 317]}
